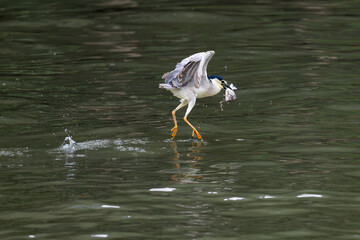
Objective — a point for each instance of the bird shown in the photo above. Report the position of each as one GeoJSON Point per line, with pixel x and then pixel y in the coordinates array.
{"type": "Point", "coordinates": [189, 81]}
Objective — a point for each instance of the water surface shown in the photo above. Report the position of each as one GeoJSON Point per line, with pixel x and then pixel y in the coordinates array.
{"type": "Point", "coordinates": [85, 149]}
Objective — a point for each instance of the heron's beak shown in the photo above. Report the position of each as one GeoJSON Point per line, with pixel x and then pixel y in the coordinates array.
{"type": "Point", "coordinates": [225, 85]}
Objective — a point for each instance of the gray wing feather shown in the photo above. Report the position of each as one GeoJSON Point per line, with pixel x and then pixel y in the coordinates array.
{"type": "Point", "coordinates": [190, 69]}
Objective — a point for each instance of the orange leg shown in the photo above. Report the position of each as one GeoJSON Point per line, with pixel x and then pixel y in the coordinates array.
{"type": "Point", "coordinates": [190, 107]}
{"type": "Point", "coordinates": [195, 132]}
{"type": "Point", "coordinates": [174, 129]}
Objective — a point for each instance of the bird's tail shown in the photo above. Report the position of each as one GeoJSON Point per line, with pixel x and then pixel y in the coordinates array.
{"type": "Point", "coordinates": [166, 86]}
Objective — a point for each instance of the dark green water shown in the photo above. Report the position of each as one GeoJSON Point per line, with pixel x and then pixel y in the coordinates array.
{"type": "Point", "coordinates": [281, 162]}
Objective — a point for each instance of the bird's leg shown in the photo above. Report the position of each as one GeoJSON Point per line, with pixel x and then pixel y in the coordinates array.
{"type": "Point", "coordinates": [195, 132]}
{"type": "Point", "coordinates": [174, 129]}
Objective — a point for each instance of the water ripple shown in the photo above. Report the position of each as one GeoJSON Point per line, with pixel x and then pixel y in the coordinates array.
{"type": "Point", "coordinates": [166, 189]}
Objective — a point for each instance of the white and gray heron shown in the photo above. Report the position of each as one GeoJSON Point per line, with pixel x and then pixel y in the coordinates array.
{"type": "Point", "coordinates": [188, 81]}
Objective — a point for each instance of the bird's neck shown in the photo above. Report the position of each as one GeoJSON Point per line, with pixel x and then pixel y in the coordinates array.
{"type": "Point", "coordinates": [215, 88]}
{"type": "Point", "coordinates": [210, 89]}
{"type": "Point", "coordinates": [217, 85]}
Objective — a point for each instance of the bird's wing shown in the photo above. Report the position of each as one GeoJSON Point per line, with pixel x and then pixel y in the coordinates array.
{"type": "Point", "coordinates": [192, 68]}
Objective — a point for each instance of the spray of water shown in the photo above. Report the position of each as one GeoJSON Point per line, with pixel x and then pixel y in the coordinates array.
{"type": "Point", "coordinates": [69, 144]}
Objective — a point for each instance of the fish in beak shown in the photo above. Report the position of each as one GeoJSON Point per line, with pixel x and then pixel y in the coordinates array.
{"type": "Point", "coordinates": [229, 93]}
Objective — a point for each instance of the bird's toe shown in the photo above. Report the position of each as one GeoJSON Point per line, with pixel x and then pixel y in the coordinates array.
{"type": "Point", "coordinates": [197, 134]}
{"type": "Point", "coordinates": [174, 131]}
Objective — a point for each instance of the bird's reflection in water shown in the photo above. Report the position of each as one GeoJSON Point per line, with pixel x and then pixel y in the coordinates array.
{"type": "Point", "coordinates": [187, 166]}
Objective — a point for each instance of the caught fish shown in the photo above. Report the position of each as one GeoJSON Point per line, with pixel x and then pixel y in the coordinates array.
{"type": "Point", "coordinates": [230, 94]}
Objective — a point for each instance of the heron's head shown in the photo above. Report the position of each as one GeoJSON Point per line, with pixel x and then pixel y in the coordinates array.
{"type": "Point", "coordinates": [220, 81]}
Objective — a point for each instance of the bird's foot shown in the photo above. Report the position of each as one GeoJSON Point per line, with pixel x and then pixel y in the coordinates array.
{"type": "Point", "coordinates": [174, 131]}
{"type": "Point", "coordinates": [195, 132]}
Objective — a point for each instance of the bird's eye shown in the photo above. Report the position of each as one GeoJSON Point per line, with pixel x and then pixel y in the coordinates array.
{"type": "Point", "coordinates": [222, 81]}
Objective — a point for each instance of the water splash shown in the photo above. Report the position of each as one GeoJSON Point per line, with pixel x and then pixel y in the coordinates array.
{"type": "Point", "coordinates": [11, 153]}
{"type": "Point", "coordinates": [69, 144]}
